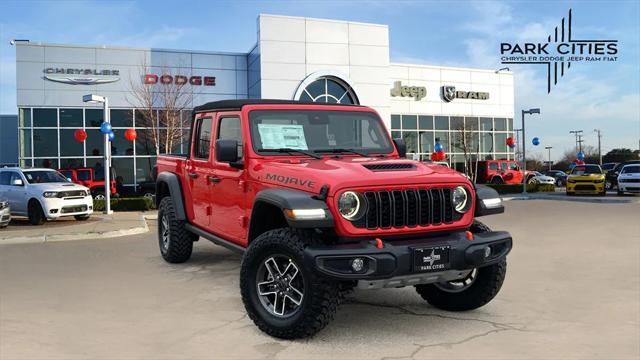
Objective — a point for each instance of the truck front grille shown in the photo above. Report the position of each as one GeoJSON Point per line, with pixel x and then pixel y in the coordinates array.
{"type": "Point", "coordinates": [407, 208]}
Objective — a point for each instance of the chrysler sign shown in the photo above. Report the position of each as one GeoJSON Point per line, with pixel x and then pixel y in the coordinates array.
{"type": "Point", "coordinates": [81, 76]}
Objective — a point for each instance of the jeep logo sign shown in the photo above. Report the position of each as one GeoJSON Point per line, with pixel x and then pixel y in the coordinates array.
{"type": "Point", "coordinates": [417, 92]}
{"type": "Point", "coordinates": [449, 93]}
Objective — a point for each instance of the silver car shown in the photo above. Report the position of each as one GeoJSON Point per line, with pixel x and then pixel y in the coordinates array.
{"type": "Point", "coordinates": [5, 213]}
{"type": "Point", "coordinates": [539, 178]}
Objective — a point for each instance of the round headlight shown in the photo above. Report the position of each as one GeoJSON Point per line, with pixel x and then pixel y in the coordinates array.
{"type": "Point", "coordinates": [351, 205]}
{"type": "Point", "coordinates": [459, 198]}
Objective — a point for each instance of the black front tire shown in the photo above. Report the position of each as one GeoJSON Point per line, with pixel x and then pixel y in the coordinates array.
{"type": "Point", "coordinates": [36, 215]}
{"type": "Point", "coordinates": [497, 180]}
{"type": "Point", "coordinates": [320, 296]}
{"type": "Point", "coordinates": [485, 286]}
{"type": "Point", "coordinates": [620, 193]}
{"type": "Point", "coordinates": [175, 241]}
{"type": "Point", "coordinates": [81, 217]}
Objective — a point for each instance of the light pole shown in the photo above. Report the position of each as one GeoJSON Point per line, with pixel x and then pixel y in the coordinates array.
{"type": "Point", "coordinates": [577, 134]}
{"type": "Point", "coordinates": [549, 148]}
{"type": "Point", "coordinates": [107, 149]}
{"type": "Point", "coordinates": [524, 151]}
{"type": "Point", "coordinates": [599, 148]}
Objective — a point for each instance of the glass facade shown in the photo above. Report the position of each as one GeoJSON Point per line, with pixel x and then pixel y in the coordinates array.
{"type": "Point", "coordinates": [47, 140]}
{"type": "Point", "coordinates": [484, 137]}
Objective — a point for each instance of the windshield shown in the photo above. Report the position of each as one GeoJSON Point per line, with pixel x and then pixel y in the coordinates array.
{"type": "Point", "coordinates": [318, 131]}
{"type": "Point", "coordinates": [631, 169]}
{"type": "Point", "coordinates": [44, 176]}
{"type": "Point", "coordinates": [586, 169]}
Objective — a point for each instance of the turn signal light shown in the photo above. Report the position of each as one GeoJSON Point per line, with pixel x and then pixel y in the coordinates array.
{"type": "Point", "coordinates": [469, 235]}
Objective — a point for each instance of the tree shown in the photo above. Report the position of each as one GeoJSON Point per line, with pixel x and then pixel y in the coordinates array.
{"type": "Point", "coordinates": [159, 104]}
{"type": "Point", "coordinates": [465, 138]}
{"type": "Point", "coordinates": [620, 155]}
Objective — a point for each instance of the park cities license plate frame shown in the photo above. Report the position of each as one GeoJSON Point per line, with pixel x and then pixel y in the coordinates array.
{"type": "Point", "coordinates": [432, 258]}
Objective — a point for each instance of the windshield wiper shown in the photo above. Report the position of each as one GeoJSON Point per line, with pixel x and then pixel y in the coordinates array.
{"type": "Point", "coordinates": [290, 150]}
{"type": "Point", "coordinates": [342, 150]}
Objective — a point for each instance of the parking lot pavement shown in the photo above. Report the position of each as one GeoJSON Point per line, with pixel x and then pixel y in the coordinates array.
{"type": "Point", "coordinates": [572, 291]}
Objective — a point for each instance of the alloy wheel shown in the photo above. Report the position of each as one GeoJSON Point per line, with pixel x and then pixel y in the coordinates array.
{"type": "Point", "coordinates": [164, 229]}
{"type": "Point", "coordinates": [280, 286]}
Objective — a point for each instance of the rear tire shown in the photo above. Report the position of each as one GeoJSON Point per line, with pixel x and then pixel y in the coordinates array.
{"type": "Point", "coordinates": [497, 180]}
{"type": "Point", "coordinates": [81, 217]}
{"type": "Point", "coordinates": [36, 215]}
{"type": "Point", "coordinates": [620, 193]}
{"type": "Point", "coordinates": [175, 241]}
{"type": "Point", "coordinates": [481, 286]}
{"type": "Point", "coordinates": [313, 303]}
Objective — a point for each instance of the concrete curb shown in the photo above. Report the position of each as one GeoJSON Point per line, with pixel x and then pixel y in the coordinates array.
{"type": "Point", "coordinates": [83, 236]}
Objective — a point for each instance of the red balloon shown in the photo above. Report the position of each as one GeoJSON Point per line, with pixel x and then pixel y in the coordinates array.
{"type": "Point", "coordinates": [510, 142]}
{"type": "Point", "coordinates": [80, 135]}
{"type": "Point", "coordinates": [130, 134]}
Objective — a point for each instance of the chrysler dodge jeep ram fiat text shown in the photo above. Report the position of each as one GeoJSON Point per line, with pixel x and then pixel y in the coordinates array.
{"type": "Point", "coordinates": [319, 200]}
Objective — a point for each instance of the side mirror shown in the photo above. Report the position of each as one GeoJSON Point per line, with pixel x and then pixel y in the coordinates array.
{"type": "Point", "coordinates": [227, 151]}
{"type": "Point", "coordinates": [401, 146]}
{"type": "Point", "coordinates": [17, 182]}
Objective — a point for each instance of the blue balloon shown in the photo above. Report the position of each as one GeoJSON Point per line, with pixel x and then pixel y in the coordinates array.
{"type": "Point", "coordinates": [535, 141]}
{"type": "Point", "coordinates": [111, 136]}
{"type": "Point", "coordinates": [105, 128]}
{"type": "Point", "coordinates": [438, 147]}
{"type": "Point", "coordinates": [580, 155]}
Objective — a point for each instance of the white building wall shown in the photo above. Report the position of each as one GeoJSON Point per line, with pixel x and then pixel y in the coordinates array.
{"type": "Point", "coordinates": [293, 48]}
{"type": "Point", "coordinates": [33, 89]}
{"type": "Point", "coordinates": [498, 85]}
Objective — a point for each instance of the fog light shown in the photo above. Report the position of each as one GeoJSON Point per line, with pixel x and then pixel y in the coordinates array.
{"type": "Point", "coordinates": [53, 211]}
{"type": "Point", "coordinates": [487, 252]}
{"type": "Point", "coordinates": [357, 264]}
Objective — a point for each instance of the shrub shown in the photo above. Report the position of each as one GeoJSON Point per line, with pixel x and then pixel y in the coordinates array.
{"type": "Point", "coordinates": [126, 204]}
{"type": "Point", "coordinates": [517, 188]}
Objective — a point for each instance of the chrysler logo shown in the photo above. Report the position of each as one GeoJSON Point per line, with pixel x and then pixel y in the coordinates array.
{"type": "Point", "coordinates": [75, 76]}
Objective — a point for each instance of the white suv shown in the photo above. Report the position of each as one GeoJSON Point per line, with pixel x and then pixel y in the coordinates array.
{"type": "Point", "coordinates": [43, 194]}
{"type": "Point", "coordinates": [629, 179]}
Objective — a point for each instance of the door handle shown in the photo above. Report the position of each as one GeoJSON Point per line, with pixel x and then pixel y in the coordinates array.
{"type": "Point", "coordinates": [193, 175]}
{"type": "Point", "coordinates": [213, 179]}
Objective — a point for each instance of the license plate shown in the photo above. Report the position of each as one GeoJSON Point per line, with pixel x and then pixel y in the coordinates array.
{"type": "Point", "coordinates": [431, 258]}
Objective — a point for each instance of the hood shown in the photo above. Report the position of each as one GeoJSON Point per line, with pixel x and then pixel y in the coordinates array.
{"type": "Point", "coordinates": [57, 186]}
{"type": "Point", "coordinates": [352, 172]}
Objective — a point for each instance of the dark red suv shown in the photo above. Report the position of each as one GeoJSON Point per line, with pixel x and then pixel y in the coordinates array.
{"type": "Point", "coordinates": [90, 178]}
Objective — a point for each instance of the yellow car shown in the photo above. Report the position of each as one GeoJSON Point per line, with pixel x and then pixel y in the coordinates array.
{"type": "Point", "coordinates": [586, 179]}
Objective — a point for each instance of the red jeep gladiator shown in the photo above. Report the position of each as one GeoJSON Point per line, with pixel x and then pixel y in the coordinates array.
{"type": "Point", "coordinates": [319, 200]}
{"type": "Point", "coordinates": [500, 172]}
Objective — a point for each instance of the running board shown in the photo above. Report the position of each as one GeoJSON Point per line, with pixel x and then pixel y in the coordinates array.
{"type": "Point", "coordinates": [214, 239]}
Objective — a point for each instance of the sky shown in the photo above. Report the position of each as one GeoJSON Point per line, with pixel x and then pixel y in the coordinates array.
{"type": "Point", "coordinates": [605, 96]}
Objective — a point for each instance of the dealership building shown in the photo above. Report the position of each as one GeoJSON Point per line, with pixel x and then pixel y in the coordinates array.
{"type": "Point", "coordinates": [294, 58]}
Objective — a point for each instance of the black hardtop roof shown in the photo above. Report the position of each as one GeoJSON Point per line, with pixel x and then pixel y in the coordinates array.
{"type": "Point", "coordinates": [238, 104]}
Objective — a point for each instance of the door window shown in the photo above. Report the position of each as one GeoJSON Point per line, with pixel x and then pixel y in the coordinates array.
{"type": "Point", "coordinates": [230, 130]}
{"type": "Point", "coordinates": [493, 166]}
{"type": "Point", "coordinates": [202, 146]}
{"type": "Point", "coordinates": [503, 166]}
{"type": "Point", "coordinates": [5, 178]}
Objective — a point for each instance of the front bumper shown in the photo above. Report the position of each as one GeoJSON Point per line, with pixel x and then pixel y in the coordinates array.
{"type": "Point", "coordinates": [629, 187]}
{"type": "Point", "coordinates": [55, 207]}
{"type": "Point", "coordinates": [586, 187]}
{"type": "Point", "coordinates": [5, 216]}
{"type": "Point", "coordinates": [393, 264]}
